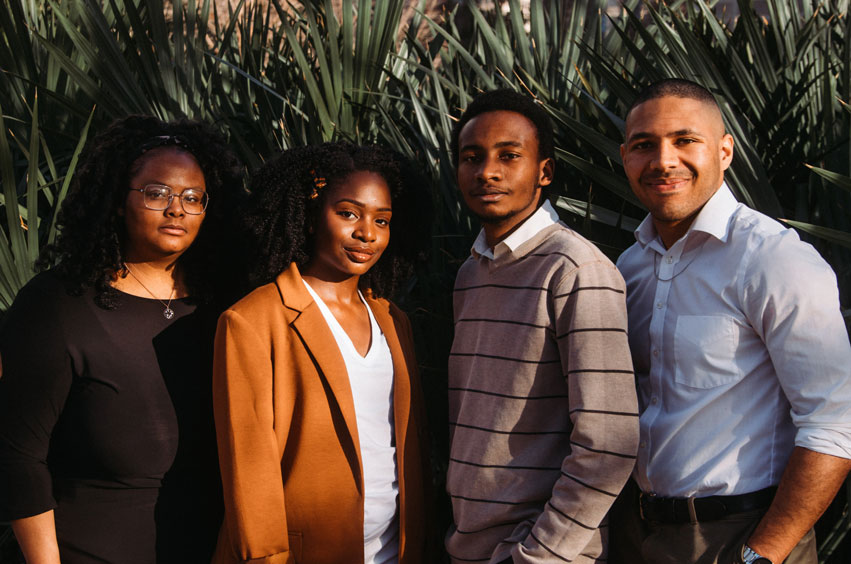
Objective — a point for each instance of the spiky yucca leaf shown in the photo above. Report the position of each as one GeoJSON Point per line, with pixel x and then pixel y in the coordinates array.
{"type": "Point", "coordinates": [28, 226]}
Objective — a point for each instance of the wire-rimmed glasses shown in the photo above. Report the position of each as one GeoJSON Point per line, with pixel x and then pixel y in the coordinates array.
{"type": "Point", "coordinates": [159, 196]}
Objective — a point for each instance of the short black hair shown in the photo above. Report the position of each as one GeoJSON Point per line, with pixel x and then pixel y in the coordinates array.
{"type": "Point", "coordinates": [283, 208]}
{"type": "Point", "coordinates": [676, 87]}
{"type": "Point", "coordinates": [89, 247]}
{"type": "Point", "coordinates": [508, 100]}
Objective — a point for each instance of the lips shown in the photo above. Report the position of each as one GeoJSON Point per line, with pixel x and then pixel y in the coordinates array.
{"type": "Point", "coordinates": [488, 194]}
{"type": "Point", "coordinates": [667, 184]}
{"type": "Point", "coordinates": [173, 229]}
{"type": "Point", "coordinates": [359, 254]}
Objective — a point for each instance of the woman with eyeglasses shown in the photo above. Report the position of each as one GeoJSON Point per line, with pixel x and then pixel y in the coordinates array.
{"type": "Point", "coordinates": [318, 405]}
{"type": "Point", "coordinates": [107, 447]}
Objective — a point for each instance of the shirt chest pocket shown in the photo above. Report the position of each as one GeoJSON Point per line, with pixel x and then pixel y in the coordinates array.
{"type": "Point", "coordinates": [705, 351]}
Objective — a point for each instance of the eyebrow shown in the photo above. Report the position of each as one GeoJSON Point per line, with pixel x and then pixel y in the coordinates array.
{"type": "Point", "coordinates": [499, 145]}
{"type": "Point", "coordinates": [677, 133]}
{"type": "Point", "coordinates": [158, 183]}
{"type": "Point", "coordinates": [361, 204]}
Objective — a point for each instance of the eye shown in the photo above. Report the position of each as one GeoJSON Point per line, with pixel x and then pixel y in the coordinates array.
{"type": "Point", "coordinates": [509, 156]}
{"type": "Point", "coordinates": [641, 145]}
{"type": "Point", "coordinates": [383, 221]}
{"type": "Point", "coordinates": [348, 214]}
{"type": "Point", "coordinates": [157, 193]}
{"type": "Point", "coordinates": [470, 158]}
{"type": "Point", "coordinates": [191, 197]}
{"type": "Point", "coordinates": [686, 141]}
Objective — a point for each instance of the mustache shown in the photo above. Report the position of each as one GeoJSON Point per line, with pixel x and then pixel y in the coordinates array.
{"type": "Point", "coordinates": [679, 174]}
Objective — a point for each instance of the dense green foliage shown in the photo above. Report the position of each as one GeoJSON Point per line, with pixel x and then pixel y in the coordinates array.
{"type": "Point", "coordinates": [272, 76]}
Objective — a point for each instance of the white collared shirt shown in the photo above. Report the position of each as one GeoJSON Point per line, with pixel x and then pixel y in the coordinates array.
{"type": "Point", "coordinates": [740, 352]}
{"type": "Point", "coordinates": [543, 217]}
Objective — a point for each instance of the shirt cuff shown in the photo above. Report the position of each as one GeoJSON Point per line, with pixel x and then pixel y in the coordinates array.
{"type": "Point", "coordinates": [834, 442]}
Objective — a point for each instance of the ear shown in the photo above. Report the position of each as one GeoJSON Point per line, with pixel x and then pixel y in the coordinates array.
{"type": "Point", "coordinates": [546, 168]}
{"type": "Point", "coordinates": [725, 149]}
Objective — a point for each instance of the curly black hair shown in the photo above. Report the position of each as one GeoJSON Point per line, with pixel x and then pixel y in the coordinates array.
{"type": "Point", "coordinates": [507, 100]}
{"type": "Point", "coordinates": [88, 249]}
{"type": "Point", "coordinates": [281, 213]}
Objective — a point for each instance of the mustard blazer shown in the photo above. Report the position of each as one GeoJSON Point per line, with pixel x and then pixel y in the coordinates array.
{"type": "Point", "coordinates": [288, 438]}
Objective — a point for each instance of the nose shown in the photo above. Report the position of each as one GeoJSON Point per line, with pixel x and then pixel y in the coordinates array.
{"type": "Point", "coordinates": [665, 156]}
{"type": "Point", "coordinates": [175, 207]}
{"type": "Point", "coordinates": [489, 169]}
{"type": "Point", "coordinates": [364, 230]}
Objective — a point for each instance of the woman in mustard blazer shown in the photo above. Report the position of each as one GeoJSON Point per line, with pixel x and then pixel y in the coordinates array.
{"type": "Point", "coordinates": [318, 406]}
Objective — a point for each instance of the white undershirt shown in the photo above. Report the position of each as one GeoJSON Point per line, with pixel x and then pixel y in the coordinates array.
{"type": "Point", "coordinates": [371, 380]}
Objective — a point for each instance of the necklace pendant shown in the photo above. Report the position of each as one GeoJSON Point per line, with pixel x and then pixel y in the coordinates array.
{"type": "Point", "coordinates": [168, 313]}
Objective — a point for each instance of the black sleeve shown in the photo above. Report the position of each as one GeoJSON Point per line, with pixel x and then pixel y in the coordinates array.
{"type": "Point", "coordinates": [34, 383]}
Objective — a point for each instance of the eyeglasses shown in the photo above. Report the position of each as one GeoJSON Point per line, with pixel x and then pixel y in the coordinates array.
{"type": "Point", "coordinates": [159, 196]}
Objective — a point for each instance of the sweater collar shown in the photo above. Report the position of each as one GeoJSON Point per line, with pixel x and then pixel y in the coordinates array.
{"type": "Point", "coordinates": [543, 217]}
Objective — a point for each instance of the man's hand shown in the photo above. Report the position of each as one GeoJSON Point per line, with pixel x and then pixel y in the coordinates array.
{"type": "Point", "coordinates": [808, 485]}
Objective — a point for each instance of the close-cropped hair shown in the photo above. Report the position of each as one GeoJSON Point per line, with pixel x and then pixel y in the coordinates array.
{"type": "Point", "coordinates": [676, 87]}
{"type": "Point", "coordinates": [507, 100]}
{"type": "Point", "coordinates": [88, 251]}
{"type": "Point", "coordinates": [284, 204]}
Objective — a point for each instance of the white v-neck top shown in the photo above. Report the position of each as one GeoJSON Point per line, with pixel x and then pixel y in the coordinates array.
{"type": "Point", "coordinates": [371, 381]}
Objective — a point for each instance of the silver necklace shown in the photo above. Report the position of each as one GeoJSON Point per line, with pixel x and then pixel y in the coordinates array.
{"type": "Point", "coordinates": [657, 268]}
{"type": "Point", "coordinates": [657, 264]}
{"type": "Point", "coordinates": [168, 313]}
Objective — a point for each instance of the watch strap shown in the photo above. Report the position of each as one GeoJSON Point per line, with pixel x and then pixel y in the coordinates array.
{"type": "Point", "coordinates": [750, 556]}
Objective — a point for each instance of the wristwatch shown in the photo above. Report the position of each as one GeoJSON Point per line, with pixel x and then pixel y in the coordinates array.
{"type": "Point", "coordinates": [750, 556]}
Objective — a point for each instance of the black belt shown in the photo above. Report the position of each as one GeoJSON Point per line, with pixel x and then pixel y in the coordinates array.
{"type": "Point", "coordinates": [696, 509]}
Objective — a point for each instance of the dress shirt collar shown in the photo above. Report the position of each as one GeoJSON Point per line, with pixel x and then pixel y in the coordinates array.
{"type": "Point", "coordinates": [713, 219]}
{"type": "Point", "coordinates": [543, 217]}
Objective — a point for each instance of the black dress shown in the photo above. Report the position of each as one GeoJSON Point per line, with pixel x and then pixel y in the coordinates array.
{"type": "Point", "coordinates": [106, 417]}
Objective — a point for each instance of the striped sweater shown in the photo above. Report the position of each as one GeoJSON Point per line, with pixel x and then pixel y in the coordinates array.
{"type": "Point", "coordinates": [542, 405]}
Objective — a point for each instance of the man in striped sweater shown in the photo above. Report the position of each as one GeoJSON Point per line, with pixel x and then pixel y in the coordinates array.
{"type": "Point", "coordinates": [542, 405]}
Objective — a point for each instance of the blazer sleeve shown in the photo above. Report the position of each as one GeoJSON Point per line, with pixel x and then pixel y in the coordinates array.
{"type": "Point", "coordinates": [249, 456]}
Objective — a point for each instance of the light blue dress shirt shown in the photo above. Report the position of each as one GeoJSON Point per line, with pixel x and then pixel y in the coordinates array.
{"type": "Point", "coordinates": [740, 353]}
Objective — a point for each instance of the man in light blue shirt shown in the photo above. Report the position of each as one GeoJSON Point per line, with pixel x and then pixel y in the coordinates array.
{"type": "Point", "coordinates": [741, 356]}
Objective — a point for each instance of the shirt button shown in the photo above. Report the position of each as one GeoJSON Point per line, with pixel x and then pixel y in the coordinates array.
{"type": "Point", "coordinates": [643, 444]}
{"type": "Point", "coordinates": [655, 352]}
{"type": "Point", "coordinates": [669, 260]}
{"type": "Point", "coordinates": [659, 305]}
{"type": "Point", "coordinates": [654, 400]}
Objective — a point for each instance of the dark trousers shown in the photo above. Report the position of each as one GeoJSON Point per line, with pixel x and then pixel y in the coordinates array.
{"type": "Point", "coordinates": [633, 540]}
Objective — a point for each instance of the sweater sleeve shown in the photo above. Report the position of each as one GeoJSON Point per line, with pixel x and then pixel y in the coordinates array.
{"type": "Point", "coordinates": [250, 460]}
{"type": "Point", "coordinates": [590, 317]}
{"type": "Point", "coordinates": [35, 379]}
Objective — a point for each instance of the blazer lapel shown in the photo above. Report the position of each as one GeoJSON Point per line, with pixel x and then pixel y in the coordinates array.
{"type": "Point", "coordinates": [401, 379]}
{"type": "Point", "coordinates": [319, 341]}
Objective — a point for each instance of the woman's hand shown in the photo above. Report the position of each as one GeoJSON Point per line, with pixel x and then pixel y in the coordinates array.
{"type": "Point", "coordinates": [37, 538]}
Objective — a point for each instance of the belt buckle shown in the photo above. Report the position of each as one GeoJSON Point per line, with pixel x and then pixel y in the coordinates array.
{"type": "Point", "coordinates": [692, 513]}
